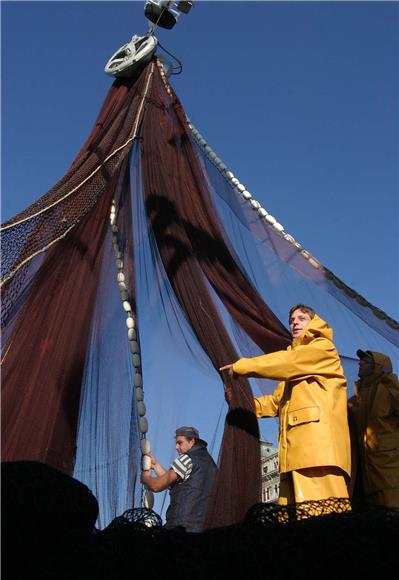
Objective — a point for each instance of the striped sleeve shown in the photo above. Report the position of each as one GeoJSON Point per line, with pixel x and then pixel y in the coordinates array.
{"type": "Point", "coordinates": [182, 466]}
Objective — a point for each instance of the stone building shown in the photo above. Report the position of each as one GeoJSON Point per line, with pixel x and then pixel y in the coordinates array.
{"type": "Point", "coordinates": [270, 474]}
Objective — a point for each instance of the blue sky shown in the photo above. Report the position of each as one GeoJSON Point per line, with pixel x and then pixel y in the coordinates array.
{"type": "Point", "coordinates": [299, 99]}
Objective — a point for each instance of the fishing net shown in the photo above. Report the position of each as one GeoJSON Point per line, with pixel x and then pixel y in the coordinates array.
{"type": "Point", "coordinates": [208, 279]}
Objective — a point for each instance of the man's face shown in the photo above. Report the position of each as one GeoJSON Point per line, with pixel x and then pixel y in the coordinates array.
{"type": "Point", "coordinates": [183, 444]}
{"type": "Point", "coordinates": [298, 322]}
{"type": "Point", "coordinates": [366, 366]}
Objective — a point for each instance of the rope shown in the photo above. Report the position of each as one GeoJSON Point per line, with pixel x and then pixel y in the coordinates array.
{"type": "Point", "coordinates": [147, 498]}
{"type": "Point", "coordinates": [133, 136]}
{"type": "Point", "coordinates": [129, 140]}
{"type": "Point", "coordinates": [271, 221]}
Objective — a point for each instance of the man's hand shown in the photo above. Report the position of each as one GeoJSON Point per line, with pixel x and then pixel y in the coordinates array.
{"type": "Point", "coordinates": [157, 467]}
{"type": "Point", "coordinates": [229, 369]}
{"type": "Point", "coordinates": [154, 460]}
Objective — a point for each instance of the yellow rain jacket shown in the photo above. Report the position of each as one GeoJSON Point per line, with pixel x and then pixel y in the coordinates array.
{"type": "Point", "coordinates": [375, 408]}
{"type": "Point", "coordinates": [311, 402]}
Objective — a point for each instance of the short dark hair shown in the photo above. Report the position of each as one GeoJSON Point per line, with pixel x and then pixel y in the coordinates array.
{"type": "Point", "coordinates": [303, 308]}
{"type": "Point", "coordinates": [188, 432]}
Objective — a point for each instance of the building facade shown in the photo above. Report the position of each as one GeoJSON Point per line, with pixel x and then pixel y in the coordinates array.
{"type": "Point", "coordinates": [270, 473]}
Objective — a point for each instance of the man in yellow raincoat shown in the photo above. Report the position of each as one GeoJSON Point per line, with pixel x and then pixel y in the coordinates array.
{"type": "Point", "coordinates": [375, 410]}
{"type": "Point", "coordinates": [311, 403]}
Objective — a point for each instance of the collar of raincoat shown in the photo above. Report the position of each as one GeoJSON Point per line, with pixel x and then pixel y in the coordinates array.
{"type": "Point", "coordinates": [382, 365]}
{"type": "Point", "coordinates": [317, 328]}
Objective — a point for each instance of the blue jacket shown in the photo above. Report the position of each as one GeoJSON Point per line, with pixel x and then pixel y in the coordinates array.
{"type": "Point", "coordinates": [188, 500]}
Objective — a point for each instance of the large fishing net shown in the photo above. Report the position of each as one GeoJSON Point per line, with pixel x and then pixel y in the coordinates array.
{"type": "Point", "coordinates": [206, 275]}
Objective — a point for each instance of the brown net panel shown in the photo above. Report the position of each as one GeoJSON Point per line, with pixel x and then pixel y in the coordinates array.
{"type": "Point", "coordinates": [53, 262]}
{"type": "Point", "coordinates": [43, 367]}
{"type": "Point", "coordinates": [49, 289]}
{"type": "Point", "coordinates": [195, 254]}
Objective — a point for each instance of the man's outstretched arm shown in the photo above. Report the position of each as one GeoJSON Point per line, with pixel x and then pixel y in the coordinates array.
{"type": "Point", "coordinates": [318, 358]}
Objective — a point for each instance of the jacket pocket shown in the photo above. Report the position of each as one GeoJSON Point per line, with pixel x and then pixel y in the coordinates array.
{"type": "Point", "coordinates": [387, 444]}
{"type": "Point", "coordinates": [304, 415]}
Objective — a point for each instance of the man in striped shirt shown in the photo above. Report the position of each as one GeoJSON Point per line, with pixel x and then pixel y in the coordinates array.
{"type": "Point", "coordinates": [189, 479]}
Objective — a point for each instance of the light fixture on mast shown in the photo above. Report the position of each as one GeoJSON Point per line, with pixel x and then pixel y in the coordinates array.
{"type": "Point", "coordinates": [132, 56]}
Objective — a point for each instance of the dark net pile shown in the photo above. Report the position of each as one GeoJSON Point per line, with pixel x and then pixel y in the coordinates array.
{"type": "Point", "coordinates": [48, 532]}
{"type": "Point", "coordinates": [271, 542]}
